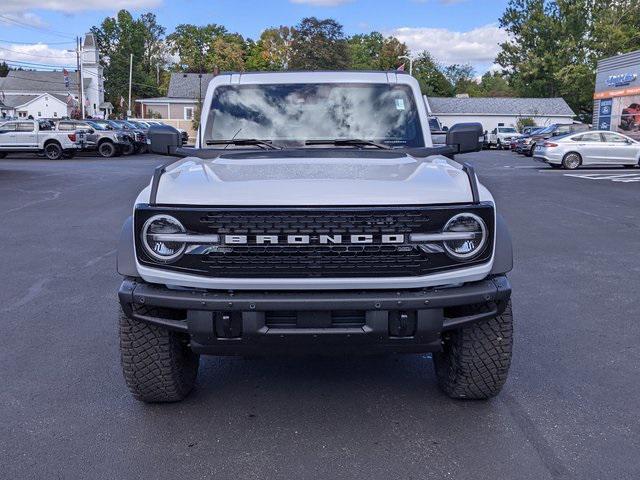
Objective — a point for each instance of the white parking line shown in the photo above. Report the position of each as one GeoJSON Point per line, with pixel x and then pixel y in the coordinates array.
{"type": "Point", "coordinates": [621, 177]}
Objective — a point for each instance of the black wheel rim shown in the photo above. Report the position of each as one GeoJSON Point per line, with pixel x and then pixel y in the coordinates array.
{"type": "Point", "coordinates": [52, 152]}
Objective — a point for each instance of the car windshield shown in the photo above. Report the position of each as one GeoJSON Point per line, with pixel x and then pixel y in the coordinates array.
{"type": "Point", "coordinates": [548, 129]}
{"type": "Point", "coordinates": [299, 113]}
{"type": "Point", "coordinates": [507, 130]}
{"type": "Point", "coordinates": [97, 126]}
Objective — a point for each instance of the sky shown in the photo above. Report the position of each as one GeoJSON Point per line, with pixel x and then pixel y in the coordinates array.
{"type": "Point", "coordinates": [39, 33]}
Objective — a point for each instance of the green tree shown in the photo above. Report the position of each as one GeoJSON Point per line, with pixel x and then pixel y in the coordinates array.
{"type": "Point", "coordinates": [524, 122]}
{"type": "Point", "coordinates": [373, 51]}
{"type": "Point", "coordinates": [495, 84]}
{"type": "Point", "coordinates": [272, 51]}
{"type": "Point", "coordinates": [117, 38]}
{"type": "Point", "coordinates": [554, 45]}
{"type": "Point", "coordinates": [319, 45]}
{"type": "Point", "coordinates": [430, 76]}
{"type": "Point", "coordinates": [462, 78]}
{"type": "Point", "coordinates": [4, 69]}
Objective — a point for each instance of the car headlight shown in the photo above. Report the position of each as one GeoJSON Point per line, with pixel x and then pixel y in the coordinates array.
{"type": "Point", "coordinates": [154, 233]}
{"type": "Point", "coordinates": [471, 238]}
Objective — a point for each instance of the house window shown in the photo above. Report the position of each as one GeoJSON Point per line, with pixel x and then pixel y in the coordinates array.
{"type": "Point", "coordinates": [39, 114]}
{"type": "Point", "coordinates": [55, 114]}
{"type": "Point", "coordinates": [188, 113]}
{"type": "Point", "coordinates": [22, 114]}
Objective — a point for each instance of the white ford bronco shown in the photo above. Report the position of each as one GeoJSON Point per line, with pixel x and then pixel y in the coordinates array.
{"type": "Point", "coordinates": [32, 136]}
{"type": "Point", "coordinates": [314, 216]}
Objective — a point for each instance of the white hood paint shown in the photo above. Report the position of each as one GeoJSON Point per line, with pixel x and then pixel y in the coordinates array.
{"type": "Point", "coordinates": [311, 181]}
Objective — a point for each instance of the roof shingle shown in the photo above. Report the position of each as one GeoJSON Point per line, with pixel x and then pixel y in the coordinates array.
{"type": "Point", "coordinates": [187, 85]}
{"type": "Point", "coordinates": [37, 82]}
{"type": "Point", "coordinates": [500, 106]}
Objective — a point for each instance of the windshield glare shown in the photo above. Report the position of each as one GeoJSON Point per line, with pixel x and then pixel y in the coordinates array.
{"type": "Point", "coordinates": [298, 113]}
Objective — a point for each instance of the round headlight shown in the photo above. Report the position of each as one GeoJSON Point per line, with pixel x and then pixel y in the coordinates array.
{"type": "Point", "coordinates": [473, 233]}
{"type": "Point", "coordinates": [154, 234]}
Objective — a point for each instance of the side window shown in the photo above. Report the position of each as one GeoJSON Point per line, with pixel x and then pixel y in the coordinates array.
{"type": "Point", "coordinates": [65, 127]}
{"type": "Point", "coordinates": [25, 127]}
{"type": "Point", "coordinates": [563, 130]}
{"type": "Point", "coordinates": [588, 137]}
{"type": "Point", "coordinates": [8, 127]}
{"type": "Point", "coordinates": [613, 138]}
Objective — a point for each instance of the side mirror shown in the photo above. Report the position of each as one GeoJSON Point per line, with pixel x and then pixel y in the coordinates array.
{"type": "Point", "coordinates": [445, 129]}
{"type": "Point", "coordinates": [465, 137]}
{"type": "Point", "coordinates": [164, 139]}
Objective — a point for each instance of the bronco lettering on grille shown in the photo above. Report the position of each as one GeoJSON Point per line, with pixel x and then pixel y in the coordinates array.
{"type": "Point", "coordinates": [312, 239]}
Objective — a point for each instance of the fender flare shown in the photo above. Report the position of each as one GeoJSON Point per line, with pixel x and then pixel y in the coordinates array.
{"type": "Point", "coordinates": [503, 258]}
{"type": "Point", "coordinates": [126, 257]}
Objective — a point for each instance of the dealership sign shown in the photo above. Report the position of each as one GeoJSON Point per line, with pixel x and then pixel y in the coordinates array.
{"type": "Point", "coordinates": [621, 80]}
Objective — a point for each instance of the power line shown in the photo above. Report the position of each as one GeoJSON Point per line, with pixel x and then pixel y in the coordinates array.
{"type": "Point", "coordinates": [32, 54]}
{"type": "Point", "coordinates": [16, 42]}
{"type": "Point", "coordinates": [20, 62]}
{"type": "Point", "coordinates": [33, 27]}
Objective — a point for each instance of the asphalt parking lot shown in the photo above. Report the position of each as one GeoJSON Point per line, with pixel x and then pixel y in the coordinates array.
{"type": "Point", "coordinates": [570, 409]}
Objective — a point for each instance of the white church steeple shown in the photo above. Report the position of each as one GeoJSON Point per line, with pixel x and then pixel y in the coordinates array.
{"type": "Point", "coordinates": [93, 82]}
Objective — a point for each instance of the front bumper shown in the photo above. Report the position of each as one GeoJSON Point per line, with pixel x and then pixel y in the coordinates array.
{"type": "Point", "coordinates": [236, 323]}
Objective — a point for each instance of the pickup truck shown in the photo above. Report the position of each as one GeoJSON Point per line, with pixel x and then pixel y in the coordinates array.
{"type": "Point", "coordinates": [314, 216]}
{"type": "Point", "coordinates": [108, 143]}
{"type": "Point", "coordinates": [500, 137]}
{"type": "Point", "coordinates": [19, 136]}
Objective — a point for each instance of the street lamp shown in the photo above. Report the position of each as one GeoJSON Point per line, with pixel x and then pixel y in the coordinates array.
{"type": "Point", "coordinates": [407, 57]}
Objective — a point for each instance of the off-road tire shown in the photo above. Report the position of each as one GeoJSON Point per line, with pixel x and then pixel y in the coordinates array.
{"type": "Point", "coordinates": [107, 150]}
{"type": "Point", "coordinates": [569, 161]}
{"type": "Point", "coordinates": [53, 151]}
{"type": "Point", "coordinates": [475, 360]}
{"type": "Point", "coordinates": [157, 363]}
{"type": "Point", "coordinates": [128, 149]}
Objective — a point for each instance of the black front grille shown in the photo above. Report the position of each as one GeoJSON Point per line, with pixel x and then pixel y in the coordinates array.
{"type": "Point", "coordinates": [314, 260]}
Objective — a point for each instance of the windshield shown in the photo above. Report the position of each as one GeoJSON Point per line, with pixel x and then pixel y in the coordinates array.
{"type": "Point", "coordinates": [298, 113]}
{"type": "Point", "coordinates": [97, 126]}
{"type": "Point", "coordinates": [549, 129]}
{"type": "Point", "coordinates": [507, 130]}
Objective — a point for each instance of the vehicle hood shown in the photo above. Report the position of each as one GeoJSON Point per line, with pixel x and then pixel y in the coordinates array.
{"type": "Point", "coordinates": [284, 179]}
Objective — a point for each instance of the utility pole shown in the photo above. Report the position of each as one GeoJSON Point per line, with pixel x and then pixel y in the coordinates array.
{"type": "Point", "coordinates": [158, 74]}
{"type": "Point", "coordinates": [130, 78]}
{"type": "Point", "coordinates": [80, 86]}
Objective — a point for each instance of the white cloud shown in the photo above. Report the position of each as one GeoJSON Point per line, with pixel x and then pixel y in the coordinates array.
{"type": "Point", "coordinates": [477, 46]}
{"type": "Point", "coordinates": [321, 3]}
{"type": "Point", "coordinates": [38, 54]}
{"type": "Point", "coordinates": [18, 6]}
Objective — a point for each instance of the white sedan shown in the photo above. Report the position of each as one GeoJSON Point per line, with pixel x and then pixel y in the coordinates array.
{"type": "Point", "coordinates": [594, 147]}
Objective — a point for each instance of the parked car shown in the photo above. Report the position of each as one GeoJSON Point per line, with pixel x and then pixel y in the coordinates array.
{"type": "Point", "coordinates": [30, 136]}
{"type": "Point", "coordinates": [500, 137]}
{"type": "Point", "coordinates": [553, 130]}
{"type": "Point", "coordinates": [139, 136]}
{"type": "Point", "coordinates": [108, 143]}
{"type": "Point", "coordinates": [522, 143]}
{"type": "Point", "coordinates": [596, 147]}
{"type": "Point", "coordinates": [337, 227]}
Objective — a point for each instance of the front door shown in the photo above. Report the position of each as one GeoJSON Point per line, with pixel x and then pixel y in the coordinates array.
{"type": "Point", "coordinates": [8, 135]}
{"type": "Point", "coordinates": [27, 135]}
{"type": "Point", "coordinates": [619, 149]}
{"type": "Point", "coordinates": [590, 147]}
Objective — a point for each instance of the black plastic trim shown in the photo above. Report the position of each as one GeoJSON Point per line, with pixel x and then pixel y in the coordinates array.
{"type": "Point", "coordinates": [471, 174]}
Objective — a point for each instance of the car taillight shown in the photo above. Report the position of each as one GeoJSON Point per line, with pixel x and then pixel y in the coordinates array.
{"type": "Point", "coordinates": [550, 145]}
{"type": "Point", "coordinates": [72, 137]}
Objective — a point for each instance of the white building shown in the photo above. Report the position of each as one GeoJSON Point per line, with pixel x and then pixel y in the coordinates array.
{"type": "Point", "coordinates": [37, 94]}
{"type": "Point", "coordinates": [491, 112]}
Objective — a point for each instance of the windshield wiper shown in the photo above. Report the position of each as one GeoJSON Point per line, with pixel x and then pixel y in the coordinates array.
{"type": "Point", "coordinates": [245, 141]}
{"type": "Point", "coordinates": [340, 142]}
